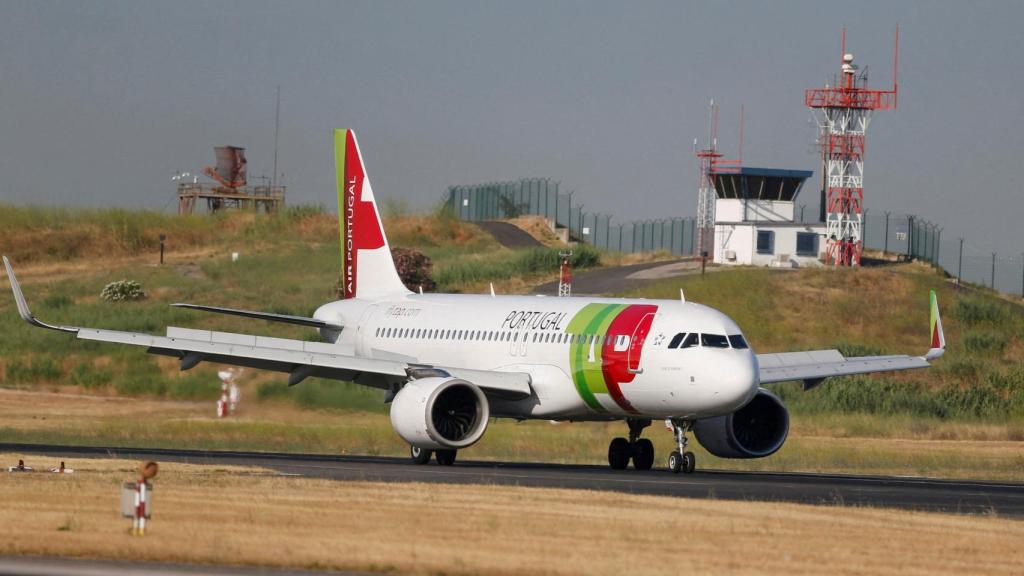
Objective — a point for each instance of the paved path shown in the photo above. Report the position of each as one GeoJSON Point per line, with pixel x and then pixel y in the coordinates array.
{"type": "Point", "coordinates": [619, 279]}
{"type": "Point", "coordinates": [508, 235]}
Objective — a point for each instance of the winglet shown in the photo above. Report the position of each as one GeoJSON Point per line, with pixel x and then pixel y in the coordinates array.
{"type": "Point", "coordinates": [23, 311]}
{"type": "Point", "coordinates": [938, 341]}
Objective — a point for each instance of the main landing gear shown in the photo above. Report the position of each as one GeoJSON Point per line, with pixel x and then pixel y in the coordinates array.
{"type": "Point", "coordinates": [681, 460]}
{"type": "Point", "coordinates": [422, 456]}
{"type": "Point", "coordinates": [640, 450]}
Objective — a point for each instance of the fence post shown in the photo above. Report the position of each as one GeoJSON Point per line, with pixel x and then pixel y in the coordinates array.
{"type": "Point", "coordinates": [938, 247]}
{"type": "Point", "coordinates": [620, 237]}
{"type": "Point", "coordinates": [993, 285]}
{"type": "Point", "coordinates": [960, 263]}
{"type": "Point", "coordinates": [885, 247]}
{"type": "Point", "coordinates": [910, 236]}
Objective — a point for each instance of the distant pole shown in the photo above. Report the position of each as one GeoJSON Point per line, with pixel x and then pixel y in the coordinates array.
{"type": "Point", "coordinates": [556, 207]}
{"type": "Point", "coordinates": [277, 125]}
{"type": "Point", "coordinates": [162, 238]}
{"type": "Point", "coordinates": [568, 226]}
{"type": "Point", "coordinates": [938, 247]}
{"type": "Point", "coordinates": [960, 263]}
{"type": "Point", "coordinates": [620, 237]}
{"type": "Point", "coordinates": [885, 245]}
{"type": "Point", "coordinates": [910, 237]}
{"type": "Point", "coordinates": [993, 286]}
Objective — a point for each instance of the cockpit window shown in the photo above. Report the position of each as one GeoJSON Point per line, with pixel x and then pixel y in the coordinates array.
{"type": "Point", "coordinates": [714, 341]}
{"type": "Point", "coordinates": [676, 340]}
{"type": "Point", "coordinates": [692, 339]}
{"type": "Point", "coordinates": [738, 342]}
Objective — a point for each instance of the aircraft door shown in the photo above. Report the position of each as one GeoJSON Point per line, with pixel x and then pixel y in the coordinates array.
{"type": "Point", "coordinates": [636, 344]}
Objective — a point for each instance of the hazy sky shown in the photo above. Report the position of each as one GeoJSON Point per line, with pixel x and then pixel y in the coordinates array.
{"type": "Point", "coordinates": [101, 102]}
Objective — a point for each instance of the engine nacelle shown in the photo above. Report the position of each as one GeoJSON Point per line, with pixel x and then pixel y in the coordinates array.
{"type": "Point", "coordinates": [440, 413]}
{"type": "Point", "coordinates": [757, 430]}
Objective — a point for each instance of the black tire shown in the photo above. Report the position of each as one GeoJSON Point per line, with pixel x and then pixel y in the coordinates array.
{"type": "Point", "coordinates": [689, 463]}
{"type": "Point", "coordinates": [643, 454]}
{"type": "Point", "coordinates": [420, 455]}
{"type": "Point", "coordinates": [675, 462]}
{"type": "Point", "coordinates": [445, 457]}
{"type": "Point", "coordinates": [619, 453]}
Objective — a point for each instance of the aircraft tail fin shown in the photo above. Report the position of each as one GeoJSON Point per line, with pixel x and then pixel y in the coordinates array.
{"type": "Point", "coordinates": [367, 268]}
{"type": "Point", "coordinates": [938, 337]}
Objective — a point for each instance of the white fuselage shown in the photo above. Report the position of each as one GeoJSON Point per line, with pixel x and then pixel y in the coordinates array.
{"type": "Point", "coordinates": [588, 358]}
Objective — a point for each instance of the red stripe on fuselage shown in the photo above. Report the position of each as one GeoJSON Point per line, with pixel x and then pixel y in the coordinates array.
{"type": "Point", "coordinates": [635, 322]}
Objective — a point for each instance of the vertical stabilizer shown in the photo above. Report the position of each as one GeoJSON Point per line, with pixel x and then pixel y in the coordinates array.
{"type": "Point", "coordinates": [367, 269]}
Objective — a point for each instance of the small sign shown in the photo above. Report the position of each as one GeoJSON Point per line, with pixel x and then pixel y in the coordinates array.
{"type": "Point", "coordinates": [129, 492]}
{"type": "Point", "coordinates": [901, 235]}
{"type": "Point", "coordinates": [465, 201]}
{"type": "Point", "coordinates": [586, 230]}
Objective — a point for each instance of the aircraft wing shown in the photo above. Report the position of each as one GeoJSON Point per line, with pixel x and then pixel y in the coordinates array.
{"type": "Point", "coordinates": [298, 358]}
{"type": "Point", "coordinates": [813, 366]}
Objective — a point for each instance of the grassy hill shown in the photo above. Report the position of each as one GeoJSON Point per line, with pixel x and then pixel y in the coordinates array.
{"type": "Point", "coordinates": [289, 264]}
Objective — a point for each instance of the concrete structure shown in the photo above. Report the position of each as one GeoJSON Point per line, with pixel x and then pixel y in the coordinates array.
{"type": "Point", "coordinates": [755, 220]}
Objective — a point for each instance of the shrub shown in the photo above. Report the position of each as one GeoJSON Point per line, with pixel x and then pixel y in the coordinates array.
{"type": "Point", "coordinates": [414, 269]}
{"type": "Point", "coordinates": [86, 376]}
{"type": "Point", "coordinates": [122, 290]}
{"type": "Point", "coordinates": [40, 369]}
{"type": "Point", "coordinates": [985, 343]}
{"type": "Point", "coordinates": [973, 310]}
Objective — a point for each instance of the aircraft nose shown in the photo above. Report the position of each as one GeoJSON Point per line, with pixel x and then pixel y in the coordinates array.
{"type": "Point", "coordinates": [741, 382]}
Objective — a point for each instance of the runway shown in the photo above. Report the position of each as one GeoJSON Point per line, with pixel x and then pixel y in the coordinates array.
{"type": "Point", "coordinates": [956, 496]}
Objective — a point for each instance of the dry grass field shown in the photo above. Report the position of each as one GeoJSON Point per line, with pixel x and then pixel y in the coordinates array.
{"type": "Point", "coordinates": [207, 514]}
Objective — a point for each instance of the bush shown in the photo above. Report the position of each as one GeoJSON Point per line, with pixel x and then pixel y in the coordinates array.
{"type": "Point", "coordinates": [973, 310]}
{"type": "Point", "coordinates": [40, 369]}
{"type": "Point", "coordinates": [414, 269]}
{"type": "Point", "coordinates": [87, 377]}
{"type": "Point", "coordinates": [122, 291]}
{"type": "Point", "coordinates": [985, 343]}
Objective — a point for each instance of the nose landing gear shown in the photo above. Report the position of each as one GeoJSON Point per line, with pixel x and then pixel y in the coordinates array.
{"type": "Point", "coordinates": [640, 450]}
{"type": "Point", "coordinates": [681, 460]}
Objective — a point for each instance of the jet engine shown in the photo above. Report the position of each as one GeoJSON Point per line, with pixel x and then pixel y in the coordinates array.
{"type": "Point", "coordinates": [440, 413]}
{"type": "Point", "coordinates": [754, 431]}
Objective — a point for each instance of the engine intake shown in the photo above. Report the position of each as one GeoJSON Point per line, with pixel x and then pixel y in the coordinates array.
{"type": "Point", "coordinates": [440, 413]}
{"type": "Point", "coordinates": [756, 430]}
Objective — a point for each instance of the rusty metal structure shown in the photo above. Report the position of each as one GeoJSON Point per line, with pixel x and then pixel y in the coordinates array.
{"type": "Point", "coordinates": [229, 188]}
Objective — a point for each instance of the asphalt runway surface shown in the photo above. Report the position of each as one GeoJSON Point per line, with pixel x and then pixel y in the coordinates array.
{"type": "Point", "coordinates": [955, 496]}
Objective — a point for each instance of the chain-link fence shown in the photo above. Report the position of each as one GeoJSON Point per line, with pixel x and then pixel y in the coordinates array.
{"type": "Point", "coordinates": [904, 234]}
{"type": "Point", "coordinates": [542, 197]}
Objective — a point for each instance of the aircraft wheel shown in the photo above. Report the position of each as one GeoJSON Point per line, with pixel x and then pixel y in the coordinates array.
{"type": "Point", "coordinates": [689, 463]}
{"type": "Point", "coordinates": [445, 457]}
{"type": "Point", "coordinates": [420, 455]}
{"type": "Point", "coordinates": [643, 454]}
{"type": "Point", "coordinates": [675, 462]}
{"type": "Point", "coordinates": [619, 452]}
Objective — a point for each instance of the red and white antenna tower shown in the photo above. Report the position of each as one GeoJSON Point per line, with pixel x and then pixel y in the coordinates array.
{"type": "Point", "coordinates": [709, 162]}
{"type": "Point", "coordinates": [844, 112]}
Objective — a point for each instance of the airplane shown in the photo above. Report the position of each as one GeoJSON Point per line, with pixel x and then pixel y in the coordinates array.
{"type": "Point", "coordinates": [449, 363]}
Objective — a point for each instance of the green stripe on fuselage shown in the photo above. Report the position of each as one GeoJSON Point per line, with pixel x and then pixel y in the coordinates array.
{"type": "Point", "coordinates": [587, 375]}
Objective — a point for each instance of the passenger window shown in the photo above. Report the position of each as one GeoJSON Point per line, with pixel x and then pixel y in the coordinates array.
{"type": "Point", "coordinates": [738, 342]}
{"type": "Point", "coordinates": [676, 341]}
{"type": "Point", "coordinates": [714, 341]}
{"type": "Point", "coordinates": [691, 340]}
